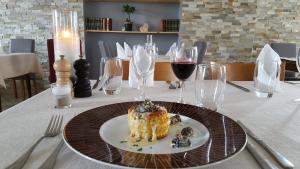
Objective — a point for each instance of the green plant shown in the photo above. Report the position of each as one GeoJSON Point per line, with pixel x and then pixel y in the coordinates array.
{"type": "Point", "coordinates": [128, 10]}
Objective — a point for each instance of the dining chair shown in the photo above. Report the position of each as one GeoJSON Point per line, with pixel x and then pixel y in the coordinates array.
{"type": "Point", "coordinates": [288, 50]}
{"type": "Point", "coordinates": [162, 71]}
{"type": "Point", "coordinates": [104, 49]}
{"type": "Point", "coordinates": [23, 46]}
{"type": "Point", "coordinates": [201, 47]}
{"type": "Point", "coordinates": [245, 71]}
{"type": "Point", "coordinates": [51, 60]}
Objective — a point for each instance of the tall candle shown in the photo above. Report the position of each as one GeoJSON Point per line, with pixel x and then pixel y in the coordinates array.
{"type": "Point", "coordinates": [66, 35]}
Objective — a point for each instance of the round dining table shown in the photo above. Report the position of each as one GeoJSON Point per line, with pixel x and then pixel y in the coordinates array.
{"type": "Point", "coordinates": [276, 120]}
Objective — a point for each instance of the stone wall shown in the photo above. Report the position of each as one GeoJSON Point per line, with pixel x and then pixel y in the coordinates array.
{"type": "Point", "coordinates": [237, 29]}
{"type": "Point", "coordinates": [33, 19]}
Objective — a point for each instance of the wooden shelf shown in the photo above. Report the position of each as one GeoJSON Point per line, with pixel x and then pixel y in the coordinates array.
{"type": "Point", "coordinates": [137, 1]}
{"type": "Point", "coordinates": [132, 32]}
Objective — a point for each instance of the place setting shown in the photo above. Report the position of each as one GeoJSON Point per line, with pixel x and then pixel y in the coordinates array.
{"type": "Point", "coordinates": [148, 91]}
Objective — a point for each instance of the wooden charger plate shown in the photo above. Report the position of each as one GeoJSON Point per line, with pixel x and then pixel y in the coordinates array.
{"type": "Point", "coordinates": [226, 139]}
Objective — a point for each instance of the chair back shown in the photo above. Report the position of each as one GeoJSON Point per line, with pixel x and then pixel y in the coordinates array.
{"type": "Point", "coordinates": [22, 46]}
{"type": "Point", "coordinates": [285, 49]}
{"type": "Point", "coordinates": [162, 71]}
{"type": "Point", "coordinates": [201, 47]}
{"type": "Point", "coordinates": [245, 71]}
{"type": "Point", "coordinates": [51, 60]}
{"type": "Point", "coordinates": [104, 50]}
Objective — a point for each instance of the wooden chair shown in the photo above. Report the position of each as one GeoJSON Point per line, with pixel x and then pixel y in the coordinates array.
{"type": "Point", "coordinates": [162, 72]}
{"type": "Point", "coordinates": [23, 46]}
{"type": "Point", "coordinates": [245, 71]}
{"type": "Point", "coordinates": [51, 60]}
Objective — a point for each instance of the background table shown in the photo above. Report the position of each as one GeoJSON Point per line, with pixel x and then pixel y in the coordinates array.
{"type": "Point", "coordinates": [276, 120]}
{"type": "Point", "coordinates": [17, 64]}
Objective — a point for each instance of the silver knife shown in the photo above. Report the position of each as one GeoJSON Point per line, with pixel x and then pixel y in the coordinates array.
{"type": "Point", "coordinates": [237, 86]}
{"type": "Point", "coordinates": [264, 163]}
{"type": "Point", "coordinates": [96, 84]}
{"type": "Point", "coordinates": [49, 163]}
{"type": "Point", "coordinates": [284, 162]}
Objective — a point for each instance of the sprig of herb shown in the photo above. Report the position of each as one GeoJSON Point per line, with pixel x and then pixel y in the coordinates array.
{"type": "Point", "coordinates": [140, 149]}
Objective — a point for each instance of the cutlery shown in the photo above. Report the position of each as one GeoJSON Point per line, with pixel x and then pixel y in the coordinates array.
{"type": "Point", "coordinates": [264, 163]}
{"type": "Point", "coordinates": [292, 83]}
{"type": "Point", "coordinates": [104, 79]}
{"type": "Point", "coordinates": [237, 86]}
{"type": "Point", "coordinates": [49, 163]}
{"type": "Point", "coordinates": [96, 84]}
{"type": "Point", "coordinates": [285, 163]}
{"type": "Point", "coordinates": [52, 130]}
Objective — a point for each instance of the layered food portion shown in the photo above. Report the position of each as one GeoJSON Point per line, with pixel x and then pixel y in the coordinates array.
{"type": "Point", "coordinates": [148, 121]}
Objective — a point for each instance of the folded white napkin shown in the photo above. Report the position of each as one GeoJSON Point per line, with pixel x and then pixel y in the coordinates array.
{"type": "Point", "coordinates": [133, 79]}
{"type": "Point", "coordinates": [169, 53]}
{"type": "Point", "coordinates": [267, 68]}
{"type": "Point", "coordinates": [120, 51]}
{"type": "Point", "coordinates": [128, 50]}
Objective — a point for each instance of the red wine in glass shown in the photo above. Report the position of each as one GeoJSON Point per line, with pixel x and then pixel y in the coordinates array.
{"type": "Point", "coordinates": [183, 70]}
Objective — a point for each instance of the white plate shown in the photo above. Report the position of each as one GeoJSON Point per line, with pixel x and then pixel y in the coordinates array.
{"type": "Point", "coordinates": [116, 130]}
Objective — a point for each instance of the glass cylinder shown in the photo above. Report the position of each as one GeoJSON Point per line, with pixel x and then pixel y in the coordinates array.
{"type": "Point", "coordinates": [62, 95]}
{"type": "Point", "coordinates": [66, 34]}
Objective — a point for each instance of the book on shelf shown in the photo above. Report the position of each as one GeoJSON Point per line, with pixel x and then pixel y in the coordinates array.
{"type": "Point", "coordinates": [169, 25]}
{"type": "Point", "coordinates": [95, 23]}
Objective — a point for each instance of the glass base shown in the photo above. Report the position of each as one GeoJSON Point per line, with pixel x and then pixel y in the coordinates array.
{"type": "Point", "coordinates": [263, 94]}
{"type": "Point", "coordinates": [296, 101]}
{"type": "Point", "coordinates": [111, 92]}
{"type": "Point", "coordinates": [181, 101]}
{"type": "Point", "coordinates": [63, 107]}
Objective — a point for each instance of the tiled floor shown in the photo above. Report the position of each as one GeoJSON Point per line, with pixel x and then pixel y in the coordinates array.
{"type": "Point", "coordinates": [7, 95]}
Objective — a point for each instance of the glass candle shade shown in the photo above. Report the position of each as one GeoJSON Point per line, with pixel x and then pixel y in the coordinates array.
{"type": "Point", "coordinates": [66, 34]}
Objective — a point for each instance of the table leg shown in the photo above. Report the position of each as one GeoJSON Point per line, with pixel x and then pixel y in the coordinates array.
{"type": "Point", "coordinates": [0, 103]}
{"type": "Point", "coordinates": [28, 84]}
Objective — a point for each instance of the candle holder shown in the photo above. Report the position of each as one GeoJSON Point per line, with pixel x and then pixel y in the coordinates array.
{"type": "Point", "coordinates": [66, 34]}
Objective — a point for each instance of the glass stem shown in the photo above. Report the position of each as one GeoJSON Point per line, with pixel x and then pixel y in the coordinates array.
{"type": "Point", "coordinates": [143, 93]}
{"type": "Point", "coordinates": [181, 92]}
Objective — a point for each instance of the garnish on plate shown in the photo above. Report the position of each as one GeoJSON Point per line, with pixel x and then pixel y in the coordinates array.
{"type": "Point", "coordinates": [140, 149]}
{"type": "Point", "coordinates": [187, 132]}
{"type": "Point", "coordinates": [180, 141]}
{"type": "Point", "coordinates": [123, 141]}
{"type": "Point", "coordinates": [175, 119]}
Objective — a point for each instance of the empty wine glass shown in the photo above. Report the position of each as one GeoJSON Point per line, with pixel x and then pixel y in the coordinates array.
{"type": "Point", "coordinates": [112, 77]}
{"type": "Point", "coordinates": [183, 61]}
{"type": "Point", "coordinates": [266, 78]}
{"type": "Point", "coordinates": [143, 60]}
{"type": "Point", "coordinates": [210, 84]}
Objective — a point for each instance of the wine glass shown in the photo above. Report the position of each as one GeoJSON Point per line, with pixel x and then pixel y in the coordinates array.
{"type": "Point", "coordinates": [143, 61]}
{"type": "Point", "coordinates": [266, 77]}
{"type": "Point", "coordinates": [183, 61]}
{"type": "Point", "coordinates": [210, 84]}
{"type": "Point", "coordinates": [112, 77]}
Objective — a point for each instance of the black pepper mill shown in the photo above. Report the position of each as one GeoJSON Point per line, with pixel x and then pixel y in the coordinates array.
{"type": "Point", "coordinates": [82, 86]}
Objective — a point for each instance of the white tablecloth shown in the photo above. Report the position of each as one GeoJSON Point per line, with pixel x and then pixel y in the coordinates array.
{"type": "Point", "coordinates": [276, 120]}
{"type": "Point", "coordinates": [17, 64]}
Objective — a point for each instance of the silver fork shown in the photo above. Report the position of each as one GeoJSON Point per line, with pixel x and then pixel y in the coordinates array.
{"type": "Point", "coordinates": [52, 130]}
